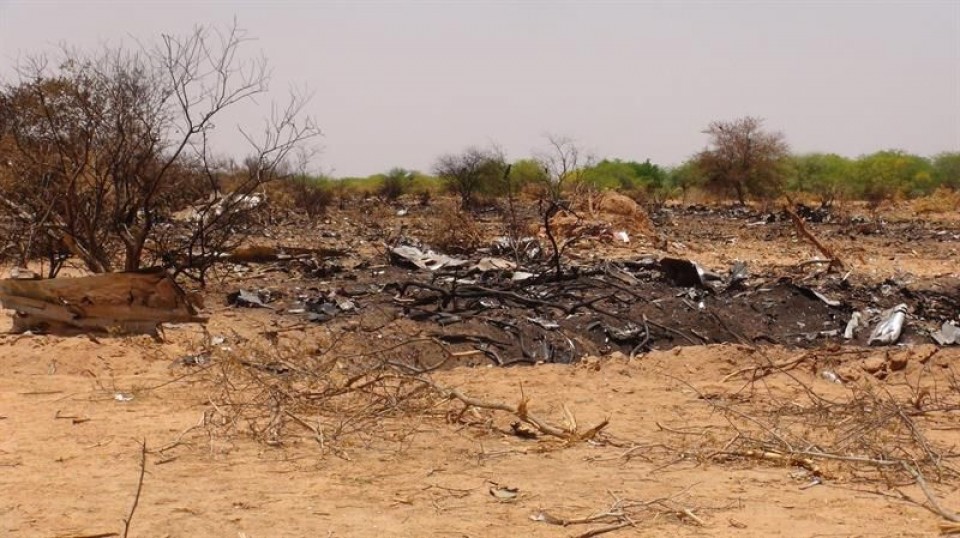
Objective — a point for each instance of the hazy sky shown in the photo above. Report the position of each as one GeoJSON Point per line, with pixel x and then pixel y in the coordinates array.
{"type": "Point", "coordinates": [399, 83]}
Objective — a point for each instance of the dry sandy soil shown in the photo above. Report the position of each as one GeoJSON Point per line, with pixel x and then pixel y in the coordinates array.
{"type": "Point", "coordinates": [682, 454]}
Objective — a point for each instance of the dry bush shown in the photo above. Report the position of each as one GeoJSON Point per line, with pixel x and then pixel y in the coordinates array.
{"type": "Point", "coordinates": [279, 393]}
{"type": "Point", "coordinates": [602, 215]}
{"type": "Point", "coordinates": [942, 200]}
{"type": "Point", "coordinates": [302, 196]}
{"type": "Point", "coordinates": [534, 190]}
{"type": "Point", "coordinates": [376, 221]}
{"type": "Point", "coordinates": [424, 197]}
{"type": "Point", "coordinates": [872, 433]}
{"type": "Point", "coordinates": [454, 232]}
{"type": "Point", "coordinates": [108, 146]}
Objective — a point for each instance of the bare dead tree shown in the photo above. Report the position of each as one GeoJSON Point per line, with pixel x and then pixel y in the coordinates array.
{"type": "Point", "coordinates": [221, 222]}
{"type": "Point", "coordinates": [562, 162]}
{"type": "Point", "coordinates": [470, 172]}
{"type": "Point", "coordinates": [743, 159]}
{"type": "Point", "coordinates": [110, 145]}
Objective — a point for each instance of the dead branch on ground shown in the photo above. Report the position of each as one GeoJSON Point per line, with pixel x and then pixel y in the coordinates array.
{"type": "Point", "coordinates": [874, 434]}
{"type": "Point", "coordinates": [569, 433]}
{"type": "Point", "coordinates": [835, 261]}
{"type": "Point", "coordinates": [277, 393]}
{"type": "Point", "coordinates": [624, 513]}
{"type": "Point", "coordinates": [136, 498]}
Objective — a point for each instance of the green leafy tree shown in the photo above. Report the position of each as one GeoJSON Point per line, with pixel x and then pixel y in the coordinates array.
{"type": "Point", "coordinates": [395, 184]}
{"type": "Point", "coordinates": [884, 175]}
{"type": "Point", "coordinates": [639, 179]}
{"type": "Point", "coordinates": [825, 175]}
{"type": "Point", "coordinates": [946, 170]}
{"type": "Point", "coordinates": [525, 172]}
{"type": "Point", "coordinates": [685, 178]}
{"type": "Point", "coordinates": [611, 174]}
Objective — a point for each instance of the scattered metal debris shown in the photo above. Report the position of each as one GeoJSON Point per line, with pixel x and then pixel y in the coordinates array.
{"type": "Point", "coordinates": [525, 248]}
{"type": "Point", "coordinates": [738, 274]}
{"type": "Point", "coordinates": [485, 265]}
{"type": "Point", "coordinates": [504, 494]}
{"type": "Point", "coordinates": [817, 295]}
{"type": "Point", "coordinates": [421, 259]}
{"type": "Point", "coordinates": [683, 272]}
{"type": "Point", "coordinates": [948, 334]}
{"type": "Point", "coordinates": [890, 326]}
{"type": "Point", "coordinates": [197, 359]}
{"type": "Point", "coordinates": [830, 376]}
{"type": "Point", "coordinates": [850, 332]}
{"type": "Point", "coordinates": [247, 299]}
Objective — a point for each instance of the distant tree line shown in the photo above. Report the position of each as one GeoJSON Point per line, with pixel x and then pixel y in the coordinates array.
{"type": "Point", "coordinates": [742, 162]}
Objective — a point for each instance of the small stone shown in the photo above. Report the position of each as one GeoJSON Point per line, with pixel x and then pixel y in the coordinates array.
{"type": "Point", "coordinates": [873, 364]}
{"type": "Point", "coordinates": [848, 373]}
{"type": "Point", "coordinates": [898, 362]}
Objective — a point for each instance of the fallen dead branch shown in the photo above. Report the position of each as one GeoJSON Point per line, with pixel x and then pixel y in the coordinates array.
{"type": "Point", "coordinates": [624, 513]}
{"type": "Point", "coordinates": [569, 433]}
{"type": "Point", "coordinates": [762, 370]}
{"type": "Point", "coordinates": [279, 392]}
{"type": "Point", "coordinates": [873, 434]}
{"type": "Point", "coordinates": [935, 505]}
{"type": "Point", "coordinates": [835, 261]}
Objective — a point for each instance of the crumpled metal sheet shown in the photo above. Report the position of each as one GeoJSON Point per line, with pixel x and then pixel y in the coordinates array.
{"type": "Point", "coordinates": [890, 326]}
{"type": "Point", "coordinates": [425, 259]}
{"type": "Point", "coordinates": [948, 334]}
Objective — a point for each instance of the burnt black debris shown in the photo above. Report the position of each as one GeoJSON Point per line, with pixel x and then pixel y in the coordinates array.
{"type": "Point", "coordinates": [516, 309]}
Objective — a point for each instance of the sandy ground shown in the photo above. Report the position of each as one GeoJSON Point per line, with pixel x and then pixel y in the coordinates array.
{"type": "Point", "coordinates": [74, 410]}
{"type": "Point", "coordinates": [69, 458]}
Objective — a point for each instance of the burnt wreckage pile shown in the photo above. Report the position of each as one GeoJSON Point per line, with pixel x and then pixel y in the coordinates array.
{"type": "Point", "coordinates": [510, 313]}
{"type": "Point", "coordinates": [640, 305]}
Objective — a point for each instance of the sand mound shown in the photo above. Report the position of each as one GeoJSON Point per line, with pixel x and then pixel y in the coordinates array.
{"type": "Point", "coordinates": [618, 204]}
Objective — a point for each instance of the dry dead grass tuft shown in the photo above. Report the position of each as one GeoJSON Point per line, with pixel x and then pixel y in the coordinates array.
{"type": "Point", "coordinates": [941, 201]}
{"type": "Point", "coordinates": [454, 232]}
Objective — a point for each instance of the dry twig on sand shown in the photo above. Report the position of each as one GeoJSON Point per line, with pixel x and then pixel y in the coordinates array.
{"type": "Point", "coordinates": [136, 498]}
{"type": "Point", "coordinates": [570, 433]}
{"type": "Point", "coordinates": [624, 513]}
{"type": "Point", "coordinates": [277, 392]}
